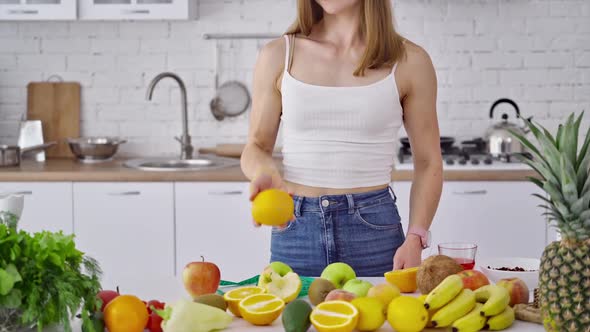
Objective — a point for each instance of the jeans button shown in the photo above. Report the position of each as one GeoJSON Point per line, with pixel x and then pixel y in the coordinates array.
{"type": "Point", "coordinates": [325, 203]}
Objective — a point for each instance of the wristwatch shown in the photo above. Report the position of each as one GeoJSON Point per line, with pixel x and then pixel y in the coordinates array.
{"type": "Point", "coordinates": [423, 234]}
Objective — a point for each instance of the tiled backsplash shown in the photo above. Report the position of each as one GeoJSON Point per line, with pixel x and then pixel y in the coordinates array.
{"type": "Point", "coordinates": [536, 52]}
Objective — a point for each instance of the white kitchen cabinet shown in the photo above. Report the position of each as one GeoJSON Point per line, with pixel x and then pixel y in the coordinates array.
{"type": "Point", "coordinates": [213, 220]}
{"type": "Point", "coordinates": [20, 10]}
{"type": "Point", "coordinates": [502, 218]}
{"type": "Point", "coordinates": [129, 229]}
{"type": "Point", "coordinates": [137, 9]}
{"type": "Point", "coordinates": [47, 206]}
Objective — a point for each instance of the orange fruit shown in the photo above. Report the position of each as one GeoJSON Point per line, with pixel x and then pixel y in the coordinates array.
{"type": "Point", "coordinates": [404, 279]}
{"type": "Point", "coordinates": [126, 313]}
{"type": "Point", "coordinates": [272, 207]}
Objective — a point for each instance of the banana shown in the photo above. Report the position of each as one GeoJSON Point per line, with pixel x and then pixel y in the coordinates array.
{"type": "Point", "coordinates": [457, 308]}
{"type": "Point", "coordinates": [495, 299]}
{"type": "Point", "coordinates": [501, 321]}
{"type": "Point", "coordinates": [472, 322]}
{"type": "Point", "coordinates": [444, 292]}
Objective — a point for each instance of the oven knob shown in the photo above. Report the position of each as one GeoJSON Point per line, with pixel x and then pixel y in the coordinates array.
{"type": "Point", "coordinates": [463, 161]}
{"type": "Point", "coordinates": [474, 161]}
{"type": "Point", "coordinates": [487, 161]}
{"type": "Point", "coordinates": [450, 161]}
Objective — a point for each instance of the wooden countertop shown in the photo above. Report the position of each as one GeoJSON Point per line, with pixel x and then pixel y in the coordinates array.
{"type": "Point", "coordinates": [70, 170]}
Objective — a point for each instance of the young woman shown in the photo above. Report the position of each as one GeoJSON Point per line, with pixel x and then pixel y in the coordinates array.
{"type": "Point", "coordinates": [343, 82]}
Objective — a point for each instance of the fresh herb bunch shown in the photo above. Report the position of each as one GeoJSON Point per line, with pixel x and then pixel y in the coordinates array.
{"type": "Point", "coordinates": [45, 278]}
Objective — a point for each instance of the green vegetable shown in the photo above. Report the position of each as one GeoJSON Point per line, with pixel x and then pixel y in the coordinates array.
{"type": "Point", "coordinates": [189, 316]}
{"type": "Point", "coordinates": [95, 323]}
{"type": "Point", "coordinates": [46, 278]}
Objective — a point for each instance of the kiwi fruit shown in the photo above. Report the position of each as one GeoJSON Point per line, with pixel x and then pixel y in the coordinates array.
{"type": "Point", "coordinates": [434, 270]}
{"type": "Point", "coordinates": [213, 300]}
{"type": "Point", "coordinates": [295, 317]}
{"type": "Point", "coordinates": [319, 289]}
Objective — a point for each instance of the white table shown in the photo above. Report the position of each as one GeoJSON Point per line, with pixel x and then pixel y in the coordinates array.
{"type": "Point", "coordinates": [243, 326]}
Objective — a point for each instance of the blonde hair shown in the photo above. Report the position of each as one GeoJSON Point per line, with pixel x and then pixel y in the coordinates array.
{"type": "Point", "coordinates": [384, 45]}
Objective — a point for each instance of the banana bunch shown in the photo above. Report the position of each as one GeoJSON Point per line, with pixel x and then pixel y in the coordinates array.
{"type": "Point", "coordinates": [468, 311]}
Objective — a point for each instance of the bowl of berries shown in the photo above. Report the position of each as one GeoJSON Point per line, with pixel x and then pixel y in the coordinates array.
{"type": "Point", "coordinates": [526, 269]}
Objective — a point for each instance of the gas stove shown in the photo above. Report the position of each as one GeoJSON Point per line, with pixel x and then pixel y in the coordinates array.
{"type": "Point", "coordinates": [467, 155]}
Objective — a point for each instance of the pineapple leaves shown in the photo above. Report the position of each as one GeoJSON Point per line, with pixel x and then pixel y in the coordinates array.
{"type": "Point", "coordinates": [553, 192]}
{"type": "Point", "coordinates": [569, 140]}
{"type": "Point", "coordinates": [536, 181]}
{"type": "Point", "coordinates": [585, 215]}
{"type": "Point", "coordinates": [568, 181]}
{"type": "Point", "coordinates": [583, 172]}
{"type": "Point", "coordinates": [581, 204]}
{"type": "Point", "coordinates": [584, 151]}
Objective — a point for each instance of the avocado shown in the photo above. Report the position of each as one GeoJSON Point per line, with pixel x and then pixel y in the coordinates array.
{"type": "Point", "coordinates": [296, 316]}
{"type": "Point", "coordinates": [213, 300]}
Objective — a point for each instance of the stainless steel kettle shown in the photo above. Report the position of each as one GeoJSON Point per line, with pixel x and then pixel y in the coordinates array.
{"type": "Point", "coordinates": [500, 142]}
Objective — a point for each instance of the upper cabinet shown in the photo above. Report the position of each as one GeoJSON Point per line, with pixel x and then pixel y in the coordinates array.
{"type": "Point", "coordinates": [21, 10]}
{"type": "Point", "coordinates": [137, 9]}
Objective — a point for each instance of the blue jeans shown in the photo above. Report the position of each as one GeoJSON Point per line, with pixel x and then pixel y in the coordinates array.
{"type": "Point", "coordinates": [362, 230]}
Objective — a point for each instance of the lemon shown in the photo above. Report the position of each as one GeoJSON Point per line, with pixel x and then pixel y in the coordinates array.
{"type": "Point", "coordinates": [334, 316]}
{"type": "Point", "coordinates": [261, 309]}
{"type": "Point", "coordinates": [371, 315]}
{"type": "Point", "coordinates": [404, 279]}
{"type": "Point", "coordinates": [407, 314]}
{"type": "Point", "coordinates": [234, 296]}
{"type": "Point", "coordinates": [272, 207]}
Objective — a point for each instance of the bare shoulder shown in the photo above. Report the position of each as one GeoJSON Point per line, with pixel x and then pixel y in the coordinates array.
{"type": "Point", "coordinates": [272, 55]}
{"type": "Point", "coordinates": [415, 55]}
{"type": "Point", "coordinates": [415, 69]}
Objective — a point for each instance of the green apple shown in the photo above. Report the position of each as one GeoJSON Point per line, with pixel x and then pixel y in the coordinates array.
{"type": "Point", "coordinates": [358, 287]}
{"type": "Point", "coordinates": [277, 267]}
{"type": "Point", "coordinates": [338, 273]}
{"type": "Point", "coordinates": [279, 279]}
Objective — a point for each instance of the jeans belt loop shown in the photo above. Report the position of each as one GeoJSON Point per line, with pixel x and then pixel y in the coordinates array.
{"type": "Point", "coordinates": [393, 194]}
{"type": "Point", "coordinates": [350, 203]}
{"type": "Point", "coordinates": [298, 202]}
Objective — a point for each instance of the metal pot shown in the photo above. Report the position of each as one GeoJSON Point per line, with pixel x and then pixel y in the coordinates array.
{"type": "Point", "coordinates": [500, 141]}
{"type": "Point", "coordinates": [94, 149]}
{"type": "Point", "coordinates": [11, 155]}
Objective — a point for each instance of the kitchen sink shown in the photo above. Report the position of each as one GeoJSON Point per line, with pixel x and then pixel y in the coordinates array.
{"type": "Point", "coordinates": [172, 164]}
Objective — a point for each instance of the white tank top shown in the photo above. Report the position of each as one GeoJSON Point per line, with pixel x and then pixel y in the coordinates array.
{"type": "Point", "coordinates": [339, 137]}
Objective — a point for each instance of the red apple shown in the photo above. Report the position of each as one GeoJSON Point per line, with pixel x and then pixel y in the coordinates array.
{"type": "Point", "coordinates": [201, 278]}
{"type": "Point", "coordinates": [518, 290]}
{"type": "Point", "coordinates": [473, 279]}
{"type": "Point", "coordinates": [341, 295]}
{"type": "Point", "coordinates": [106, 296]}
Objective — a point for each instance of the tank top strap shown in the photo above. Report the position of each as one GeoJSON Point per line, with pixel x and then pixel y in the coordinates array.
{"type": "Point", "coordinates": [289, 48]}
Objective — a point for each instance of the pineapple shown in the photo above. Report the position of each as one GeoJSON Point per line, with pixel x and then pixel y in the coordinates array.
{"type": "Point", "coordinates": [564, 276]}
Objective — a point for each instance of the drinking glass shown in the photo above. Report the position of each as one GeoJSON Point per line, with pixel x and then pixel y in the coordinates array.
{"type": "Point", "coordinates": [463, 253]}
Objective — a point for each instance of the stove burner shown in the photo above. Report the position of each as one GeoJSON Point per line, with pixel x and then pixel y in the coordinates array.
{"type": "Point", "coordinates": [471, 152]}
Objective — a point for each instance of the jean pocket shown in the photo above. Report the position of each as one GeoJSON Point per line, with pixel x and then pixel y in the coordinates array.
{"type": "Point", "coordinates": [381, 217]}
{"type": "Point", "coordinates": [277, 230]}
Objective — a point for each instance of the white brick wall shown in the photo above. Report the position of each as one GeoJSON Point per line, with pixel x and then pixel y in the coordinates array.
{"type": "Point", "coordinates": [536, 52]}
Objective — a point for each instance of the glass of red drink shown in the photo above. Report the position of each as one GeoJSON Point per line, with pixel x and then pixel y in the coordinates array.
{"type": "Point", "coordinates": [463, 253]}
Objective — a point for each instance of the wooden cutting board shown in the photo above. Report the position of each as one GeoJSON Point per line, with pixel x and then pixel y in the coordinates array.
{"type": "Point", "coordinates": [57, 105]}
{"type": "Point", "coordinates": [225, 150]}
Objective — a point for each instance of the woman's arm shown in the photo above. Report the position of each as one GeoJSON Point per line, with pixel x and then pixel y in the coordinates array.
{"type": "Point", "coordinates": [256, 161]}
{"type": "Point", "coordinates": [420, 121]}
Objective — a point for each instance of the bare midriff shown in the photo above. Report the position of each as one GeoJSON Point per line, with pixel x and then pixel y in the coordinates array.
{"type": "Point", "coordinates": [307, 191]}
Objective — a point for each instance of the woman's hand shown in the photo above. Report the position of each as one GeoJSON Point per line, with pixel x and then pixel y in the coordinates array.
{"type": "Point", "coordinates": [409, 254]}
{"type": "Point", "coordinates": [263, 181]}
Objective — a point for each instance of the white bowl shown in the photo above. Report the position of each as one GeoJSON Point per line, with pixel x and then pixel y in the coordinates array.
{"type": "Point", "coordinates": [12, 203]}
{"type": "Point", "coordinates": [530, 276]}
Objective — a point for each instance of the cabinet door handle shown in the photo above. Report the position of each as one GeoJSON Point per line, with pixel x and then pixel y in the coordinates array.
{"type": "Point", "coordinates": [471, 192]}
{"type": "Point", "coordinates": [22, 192]}
{"type": "Point", "coordinates": [125, 193]}
{"type": "Point", "coordinates": [226, 193]}
{"type": "Point", "coordinates": [136, 11]}
{"type": "Point", "coordinates": [23, 12]}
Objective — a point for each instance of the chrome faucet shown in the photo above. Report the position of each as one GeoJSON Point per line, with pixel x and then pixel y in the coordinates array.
{"type": "Point", "coordinates": [185, 140]}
